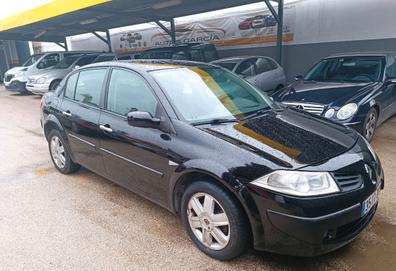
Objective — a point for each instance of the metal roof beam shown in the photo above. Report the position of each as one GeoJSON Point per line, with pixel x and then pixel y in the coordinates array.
{"type": "Point", "coordinates": [272, 9]}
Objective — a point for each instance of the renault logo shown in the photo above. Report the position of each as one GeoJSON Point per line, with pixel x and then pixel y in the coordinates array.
{"type": "Point", "coordinates": [371, 174]}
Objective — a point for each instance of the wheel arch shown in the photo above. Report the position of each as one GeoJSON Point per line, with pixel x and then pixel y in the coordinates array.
{"type": "Point", "coordinates": [187, 174]}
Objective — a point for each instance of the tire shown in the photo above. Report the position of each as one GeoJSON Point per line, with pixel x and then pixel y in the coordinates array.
{"type": "Point", "coordinates": [58, 149]}
{"type": "Point", "coordinates": [370, 124]}
{"type": "Point", "coordinates": [234, 238]}
{"type": "Point", "coordinates": [54, 85]}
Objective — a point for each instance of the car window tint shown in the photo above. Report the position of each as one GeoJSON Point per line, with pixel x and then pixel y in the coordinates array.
{"type": "Point", "coordinates": [89, 86]}
{"type": "Point", "coordinates": [196, 55]}
{"type": "Point", "coordinates": [48, 61]}
{"type": "Point", "coordinates": [71, 86]}
{"type": "Point", "coordinates": [263, 65]}
{"type": "Point", "coordinates": [391, 70]}
{"type": "Point", "coordinates": [124, 58]}
{"type": "Point", "coordinates": [129, 92]}
{"type": "Point", "coordinates": [210, 54]}
{"type": "Point", "coordinates": [180, 56]}
{"type": "Point", "coordinates": [85, 60]}
{"type": "Point", "coordinates": [246, 68]}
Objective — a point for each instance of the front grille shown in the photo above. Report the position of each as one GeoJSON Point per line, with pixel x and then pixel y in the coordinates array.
{"type": "Point", "coordinates": [348, 181]}
{"type": "Point", "coordinates": [316, 109]}
{"type": "Point", "coordinates": [31, 80]}
{"type": "Point", "coordinates": [9, 77]}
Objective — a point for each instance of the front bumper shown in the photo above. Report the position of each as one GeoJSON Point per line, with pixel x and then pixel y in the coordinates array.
{"type": "Point", "coordinates": [289, 234]}
{"type": "Point", "coordinates": [39, 89]}
{"type": "Point", "coordinates": [15, 85]}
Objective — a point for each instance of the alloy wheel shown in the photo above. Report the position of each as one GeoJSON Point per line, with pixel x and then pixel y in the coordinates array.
{"type": "Point", "coordinates": [208, 221]}
{"type": "Point", "coordinates": [58, 152]}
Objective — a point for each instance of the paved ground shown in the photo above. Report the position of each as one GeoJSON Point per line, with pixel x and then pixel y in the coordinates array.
{"type": "Point", "coordinates": [83, 222]}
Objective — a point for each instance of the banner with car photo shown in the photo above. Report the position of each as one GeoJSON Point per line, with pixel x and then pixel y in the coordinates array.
{"type": "Point", "coordinates": [241, 30]}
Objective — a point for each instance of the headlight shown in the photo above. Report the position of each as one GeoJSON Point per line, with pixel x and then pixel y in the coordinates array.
{"type": "Point", "coordinates": [347, 111]}
{"type": "Point", "coordinates": [20, 74]}
{"type": "Point", "coordinates": [329, 113]}
{"type": "Point", "coordinates": [298, 183]}
{"type": "Point", "coordinates": [41, 80]}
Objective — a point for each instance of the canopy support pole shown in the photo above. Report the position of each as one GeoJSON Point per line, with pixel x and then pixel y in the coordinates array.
{"type": "Point", "coordinates": [279, 19]}
{"type": "Point", "coordinates": [171, 32]}
{"type": "Point", "coordinates": [106, 40]}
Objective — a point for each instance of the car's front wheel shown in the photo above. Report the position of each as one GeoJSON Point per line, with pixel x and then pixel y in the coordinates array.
{"type": "Point", "coordinates": [370, 124]}
{"type": "Point", "coordinates": [59, 154]}
{"type": "Point", "coordinates": [215, 221]}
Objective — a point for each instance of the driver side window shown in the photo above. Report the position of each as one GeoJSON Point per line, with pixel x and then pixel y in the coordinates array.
{"type": "Point", "coordinates": [391, 70]}
{"type": "Point", "coordinates": [129, 92]}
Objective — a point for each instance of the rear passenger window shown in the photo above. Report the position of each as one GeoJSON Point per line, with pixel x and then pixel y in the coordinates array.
{"type": "Point", "coordinates": [129, 92]}
{"type": "Point", "coordinates": [89, 86]}
{"type": "Point", "coordinates": [71, 86]}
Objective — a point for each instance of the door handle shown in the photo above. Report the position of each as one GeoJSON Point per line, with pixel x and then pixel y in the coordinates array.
{"type": "Point", "coordinates": [106, 128]}
{"type": "Point", "coordinates": [67, 113]}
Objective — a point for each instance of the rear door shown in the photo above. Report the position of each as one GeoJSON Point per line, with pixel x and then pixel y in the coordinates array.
{"type": "Point", "coordinates": [135, 157]}
{"type": "Point", "coordinates": [80, 111]}
{"type": "Point", "coordinates": [390, 89]}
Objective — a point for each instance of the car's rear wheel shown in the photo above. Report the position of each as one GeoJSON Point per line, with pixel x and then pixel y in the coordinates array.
{"type": "Point", "coordinates": [59, 154]}
{"type": "Point", "coordinates": [215, 221]}
{"type": "Point", "coordinates": [370, 124]}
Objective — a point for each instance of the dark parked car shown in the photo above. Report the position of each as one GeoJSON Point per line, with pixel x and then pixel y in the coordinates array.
{"type": "Point", "coordinates": [358, 90]}
{"type": "Point", "coordinates": [203, 143]}
{"type": "Point", "coordinates": [202, 52]}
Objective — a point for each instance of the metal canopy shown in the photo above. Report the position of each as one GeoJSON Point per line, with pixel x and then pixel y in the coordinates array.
{"type": "Point", "coordinates": [117, 13]}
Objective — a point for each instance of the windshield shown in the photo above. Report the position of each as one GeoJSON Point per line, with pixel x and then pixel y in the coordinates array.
{"type": "Point", "coordinates": [227, 65]}
{"type": "Point", "coordinates": [31, 60]}
{"type": "Point", "coordinates": [348, 69]}
{"type": "Point", "coordinates": [66, 62]}
{"type": "Point", "coordinates": [210, 93]}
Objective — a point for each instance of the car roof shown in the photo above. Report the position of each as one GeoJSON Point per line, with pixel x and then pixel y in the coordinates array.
{"type": "Point", "coordinates": [148, 65]}
{"type": "Point", "coordinates": [363, 53]}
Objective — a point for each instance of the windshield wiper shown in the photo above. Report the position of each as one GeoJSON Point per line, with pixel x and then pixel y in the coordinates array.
{"type": "Point", "coordinates": [257, 113]}
{"type": "Point", "coordinates": [215, 121]}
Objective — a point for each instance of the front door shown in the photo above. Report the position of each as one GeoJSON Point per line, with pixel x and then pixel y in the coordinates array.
{"type": "Point", "coordinates": [135, 157]}
{"type": "Point", "coordinates": [80, 116]}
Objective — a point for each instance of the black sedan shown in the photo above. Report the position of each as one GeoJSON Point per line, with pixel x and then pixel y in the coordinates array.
{"type": "Point", "coordinates": [358, 90]}
{"type": "Point", "coordinates": [203, 143]}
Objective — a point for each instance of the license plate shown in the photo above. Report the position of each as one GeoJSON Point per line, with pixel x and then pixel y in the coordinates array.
{"type": "Point", "coordinates": [369, 203]}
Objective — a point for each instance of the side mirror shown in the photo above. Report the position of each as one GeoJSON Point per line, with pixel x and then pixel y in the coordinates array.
{"type": "Point", "coordinates": [142, 119]}
{"type": "Point", "coordinates": [76, 67]}
{"type": "Point", "coordinates": [299, 77]}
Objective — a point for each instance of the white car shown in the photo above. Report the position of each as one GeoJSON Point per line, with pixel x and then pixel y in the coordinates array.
{"type": "Point", "coordinates": [13, 77]}
{"type": "Point", "coordinates": [262, 72]}
{"type": "Point", "coordinates": [49, 79]}
{"type": "Point", "coordinates": [16, 78]}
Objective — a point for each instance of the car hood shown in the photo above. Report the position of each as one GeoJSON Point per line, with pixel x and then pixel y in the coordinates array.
{"type": "Point", "coordinates": [335, 94]}
{"type": "Point", "coordinates": [51, 74]}
{"type": "Point", "coordinates": [288, 138]}
{"type": "Point", "coordinates": [15, 70]}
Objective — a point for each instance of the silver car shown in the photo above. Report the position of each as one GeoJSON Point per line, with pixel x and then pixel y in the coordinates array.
{"type": "Point", "coordinates": [49, 80]}
{"type": "Point", "coordinates": [262, 72]}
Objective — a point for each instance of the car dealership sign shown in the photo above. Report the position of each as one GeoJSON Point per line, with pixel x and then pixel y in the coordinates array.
{"type": "Point", "coordinates": [239, 30]}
